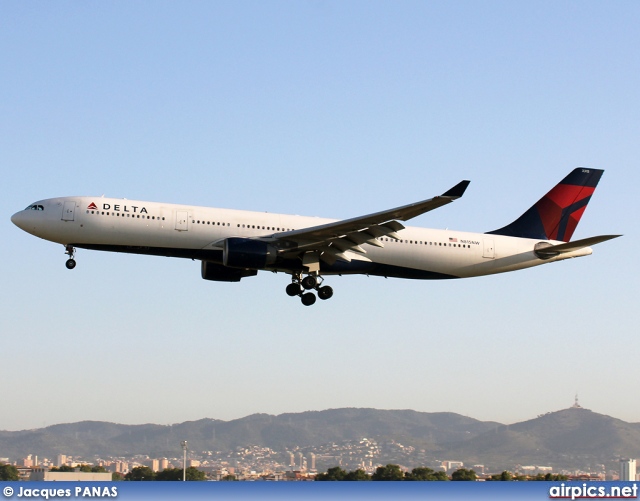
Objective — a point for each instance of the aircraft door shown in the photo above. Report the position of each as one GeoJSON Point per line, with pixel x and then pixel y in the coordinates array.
{"type": "Point", "coordinates": [488, 251]}
{"type": "Point", "coordinates": [68, 211]}
{"type": "Point", "coordinates": [182, 220]}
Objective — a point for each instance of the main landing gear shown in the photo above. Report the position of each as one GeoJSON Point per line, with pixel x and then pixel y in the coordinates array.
{"type": "Point", "coordinates": [71, 263]}
{"type": "Point", "coordinates": [299, 285]}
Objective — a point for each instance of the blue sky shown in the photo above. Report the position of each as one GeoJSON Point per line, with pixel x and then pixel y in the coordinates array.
{"type": "Point", "coordinates": [324, 108]}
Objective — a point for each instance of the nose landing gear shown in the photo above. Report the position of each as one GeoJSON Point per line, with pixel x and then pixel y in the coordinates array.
{"type": "Point", "coordinates": [299, 285]}
{"type": "Point", "coordinates": [71, 263]}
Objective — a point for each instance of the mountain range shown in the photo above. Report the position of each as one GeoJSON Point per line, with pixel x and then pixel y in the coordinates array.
{"type": "Point", "coordinates": [570, 438]}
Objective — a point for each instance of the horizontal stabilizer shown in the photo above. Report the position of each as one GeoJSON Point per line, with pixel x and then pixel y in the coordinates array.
{"type": "Point", "coordinates": [550, 250]}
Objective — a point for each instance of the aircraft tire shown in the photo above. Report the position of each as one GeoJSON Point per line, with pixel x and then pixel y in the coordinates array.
{"type": "Point", "coordinates": [294, 289]}
{"type": "Point", "coordinates": [70, 264]}
{"type": "Point", "coordinates": [325, 292]}
{"type": "Point", "coordinates": [308, 299]}
{"type": "Point", "coordinates": [309, 282]}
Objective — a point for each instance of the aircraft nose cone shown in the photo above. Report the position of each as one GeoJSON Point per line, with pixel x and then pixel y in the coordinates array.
{"type": "Point", "coordinates": [18, 219]}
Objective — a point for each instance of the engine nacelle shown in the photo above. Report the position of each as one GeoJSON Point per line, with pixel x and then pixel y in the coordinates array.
{"type": "Point", "coordinates": [248, 253]}
{"type": "Point", "coordinates": [219, 273]}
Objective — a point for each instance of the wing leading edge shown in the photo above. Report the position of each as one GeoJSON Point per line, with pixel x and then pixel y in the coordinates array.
{"type": "Point", "coordinates": [340, 239]}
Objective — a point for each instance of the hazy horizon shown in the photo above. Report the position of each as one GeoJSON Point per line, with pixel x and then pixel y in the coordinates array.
{"type": "Point", "coordinates": [311, 410]}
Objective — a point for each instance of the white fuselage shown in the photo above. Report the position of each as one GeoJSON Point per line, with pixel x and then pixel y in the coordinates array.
{"type": "Point", "coordinates": [197, 232]}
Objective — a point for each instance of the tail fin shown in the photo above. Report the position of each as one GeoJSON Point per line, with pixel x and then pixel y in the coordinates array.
{"type": "Point", "coordinates": [556, 215]}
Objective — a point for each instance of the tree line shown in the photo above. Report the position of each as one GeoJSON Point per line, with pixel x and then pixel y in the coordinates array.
{"type": "Point", "coordinates": [146, 474]}
{"type": "Point", "coordinates": [9, 472]}
{"type": "Point", "coordinates": [393, 472]}
{"type": "Point", "coordinates": [86, 468]}
{"type": "Point", "coordinates": [390, 472]}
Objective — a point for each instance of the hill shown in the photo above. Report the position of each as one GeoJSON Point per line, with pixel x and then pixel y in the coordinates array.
{"type": "Point", "coordinates": [568, 438]}
{"type": "Point", "coordinates": [573, 437]}
{"type": "Point", "coordinates": [90, 438]}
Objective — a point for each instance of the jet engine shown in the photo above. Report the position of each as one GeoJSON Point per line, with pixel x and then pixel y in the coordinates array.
{"type": "Point", "coordinates": [248, 253]}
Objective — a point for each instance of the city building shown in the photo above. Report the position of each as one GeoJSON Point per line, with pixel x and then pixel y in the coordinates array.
{"type": "Point", "coordinates": [44, 475]}
{"type": "Point", "coordinates": [29, 461]}
{"type": "Point", "coordinates": [534, 470]}
{"type": "Point", "coordinates": [452, 465]}
{"type": "Point", "coordinates": [628, 469]}
{"type": "Point", "coordinates": [24, 472]}
{"type": "Point", "coordinates": [118, 467]}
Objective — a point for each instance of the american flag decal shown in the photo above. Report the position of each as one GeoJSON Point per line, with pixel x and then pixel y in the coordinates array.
{"type": "Point", "coordinates": [453, 239]}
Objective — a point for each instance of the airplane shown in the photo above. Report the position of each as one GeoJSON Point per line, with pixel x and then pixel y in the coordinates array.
{"type": "Point", "coordinates": [235, 244]}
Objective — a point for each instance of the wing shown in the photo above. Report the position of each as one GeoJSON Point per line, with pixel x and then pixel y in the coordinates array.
{"type": "Point", "coordinates": [340, 239]}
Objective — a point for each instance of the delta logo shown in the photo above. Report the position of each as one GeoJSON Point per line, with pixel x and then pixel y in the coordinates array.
{"type": "Point", "coordinates": [119, 208]}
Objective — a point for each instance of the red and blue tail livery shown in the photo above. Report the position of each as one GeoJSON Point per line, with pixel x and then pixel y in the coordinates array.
{"type": "Point", "coordinates": [556, 215]}
{"type": "Point", "coordinates": [236, 244]}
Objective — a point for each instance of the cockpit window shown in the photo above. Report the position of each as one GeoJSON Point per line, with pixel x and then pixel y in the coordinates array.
{"type": "Point", "coordinates": [35, 207]}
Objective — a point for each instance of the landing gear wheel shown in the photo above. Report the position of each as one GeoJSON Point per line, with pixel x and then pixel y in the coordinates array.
{"type": "Point", "coordinates": [325, 292]}
{"type": "Point", "coordinates": [309, 282]}
{"type": "Point", "coordinates": [308, 298]}
{"type": "Point", "coordinates": [293, 289]}
{"type": "Point", "coordinates": [70, 264]}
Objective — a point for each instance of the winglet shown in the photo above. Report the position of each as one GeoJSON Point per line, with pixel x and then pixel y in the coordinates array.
{"type": "Point", "coordinates": [457, 191]}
